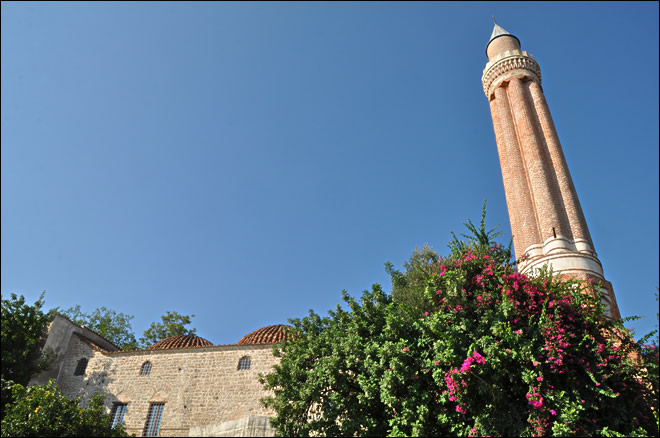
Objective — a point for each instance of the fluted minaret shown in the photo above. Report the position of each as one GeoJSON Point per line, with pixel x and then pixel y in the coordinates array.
{"type": "Point", "coordinates": [547, 222]}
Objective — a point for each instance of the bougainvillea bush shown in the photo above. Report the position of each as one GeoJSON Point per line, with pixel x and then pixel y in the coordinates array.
{"type": "Point", "coordinates": [498, 354]}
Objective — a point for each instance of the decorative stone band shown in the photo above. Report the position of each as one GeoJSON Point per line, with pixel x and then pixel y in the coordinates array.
{"type": "Point", "coordinates": [501, 66]}
{"type": "Point", "coordinates": [564, 255]}
{"type": "Point", "coordinates": [560, 243]}
{"type": "Point", "coordinates": [566, 262]}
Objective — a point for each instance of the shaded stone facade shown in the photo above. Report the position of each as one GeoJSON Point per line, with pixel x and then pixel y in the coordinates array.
{"type": "Point", "coordinates": [202, 388]}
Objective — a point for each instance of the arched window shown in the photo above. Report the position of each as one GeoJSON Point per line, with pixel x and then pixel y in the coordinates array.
{"type": "Point", "coordinates": [244, 363]}
{"type": "Point", "coordinates": [146, 368]}
{"type": "Point", "coordinates": [81, 367]}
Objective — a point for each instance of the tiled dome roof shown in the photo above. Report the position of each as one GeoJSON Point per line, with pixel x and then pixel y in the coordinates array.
{"type": "Point", "coordinates": [181, 341]}
{"type": "Point", "coordinates": [272, 334]}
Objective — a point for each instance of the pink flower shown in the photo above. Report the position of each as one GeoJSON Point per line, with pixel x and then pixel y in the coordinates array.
{"type": "Point", "coordinates": [466, 365]}
{"type": "Point", "coordinates": [518, 332]}
{"type": "Point", "coordinates": [553, 412]}
{"type": "Point", "coordinates": [405, 349]}
{"type": "Point", "coordinates": [479, 358]}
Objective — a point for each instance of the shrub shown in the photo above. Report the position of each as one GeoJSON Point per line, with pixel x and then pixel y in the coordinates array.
{"type": "Point", "coordinates": [499, 353]}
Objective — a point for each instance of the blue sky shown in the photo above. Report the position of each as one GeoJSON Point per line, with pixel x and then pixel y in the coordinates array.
{"type": "Point", "coordinates": [245, 162]}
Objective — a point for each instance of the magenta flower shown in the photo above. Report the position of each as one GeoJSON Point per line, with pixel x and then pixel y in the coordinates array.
{"type": "Point", "coordinates": [479, 358]}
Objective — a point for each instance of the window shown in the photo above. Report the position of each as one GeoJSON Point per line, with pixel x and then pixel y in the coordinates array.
{"type": "Point", "coordinates": [605, 299]}
{"type": "Point", "coordinates": [244, 363]}
{"type": "Point", "coordinates": [118, 412]}
{"type": "Point", "coordinates": [154, 416]}
{"type": "Point", "coordinates": [146, 368]}
{"type": "Point", "coordinates": [81, 367]}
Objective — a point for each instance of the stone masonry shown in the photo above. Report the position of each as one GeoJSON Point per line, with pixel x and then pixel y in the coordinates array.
{"type": "Point", "coordinates": [204, 392]}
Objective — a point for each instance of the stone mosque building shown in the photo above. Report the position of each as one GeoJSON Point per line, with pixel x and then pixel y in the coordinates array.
{"type": "Point", "coordinates": [180, 386]}
{"type": "Point", "coordinates": [186, 386]}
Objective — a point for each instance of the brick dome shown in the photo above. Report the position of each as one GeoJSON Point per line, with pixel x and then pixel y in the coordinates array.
{"type": "Point", "coordinates": [272, 334]}
{"type": "Point", "coordinates": [181, 341]}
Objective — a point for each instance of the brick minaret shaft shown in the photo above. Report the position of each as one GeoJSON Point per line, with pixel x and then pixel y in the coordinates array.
{"type": "Point", "coordinates": [547, 222]}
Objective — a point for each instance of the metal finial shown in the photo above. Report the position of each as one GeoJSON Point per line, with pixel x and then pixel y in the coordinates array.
{"type": "Point", "coordinates": [494, 20]}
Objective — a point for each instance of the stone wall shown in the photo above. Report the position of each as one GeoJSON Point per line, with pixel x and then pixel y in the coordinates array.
{"type": "Point", "coordinates": [57, 343]}
{"type": "Point", "coordinates": [201, 387]}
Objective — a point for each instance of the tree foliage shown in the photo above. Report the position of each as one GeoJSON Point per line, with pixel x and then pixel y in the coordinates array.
{"type": "Point", "coordinates": [479, 238]}
{"type": "Point", "coordinates": [115, 327]}
{"type": "Point", "coordinates": [42, 410]}
{"type": "Point", "coordinates": [173, 324]}
{"type": "Point", "coordinates": [499, 353]}
{"type": "Point", "coordinates": [406, 286]}
{"type": "Point", "coordinates": [39, 410]}
{"type": "Point", "coordinates": [23, 327]}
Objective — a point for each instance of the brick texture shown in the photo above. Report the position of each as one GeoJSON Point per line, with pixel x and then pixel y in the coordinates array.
{"type": "Point", "coordinates": [547, 221]}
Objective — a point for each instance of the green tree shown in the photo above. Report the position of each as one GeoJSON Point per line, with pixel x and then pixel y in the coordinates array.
{"type": "Point", "coordinates": [23, 328]}
{"type": "Point", "coordinates": [500, 353]}
{"type": "Point", "coordinates": [173, 324]}
{"type": "Point", "coordinates": [42, 410]}
{"type": "Point", "coordinates": [115, 327]}
{"type": "Point", "coordinates": [406, 286]}
{"type": "Point", "coordinates": [479, 238]}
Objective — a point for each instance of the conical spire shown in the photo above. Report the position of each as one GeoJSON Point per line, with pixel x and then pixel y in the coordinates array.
{"type": "Point", "coordinates": [499, 31]}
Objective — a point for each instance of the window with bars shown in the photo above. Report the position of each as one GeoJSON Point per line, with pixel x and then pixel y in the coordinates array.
{"type": "Point", "coordinates": [81, 367]}
{"type": "Point", "coordinates": [244, 363]}
{"type": "Point", "coordinates": [154, 417]}
{"type": "Point", "coordinates": [118, 412]}
{"type": "Point", "coordinates": [146, 368]}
